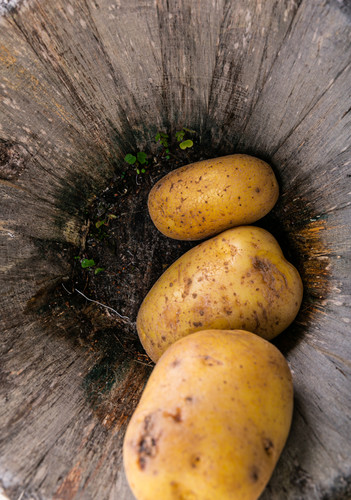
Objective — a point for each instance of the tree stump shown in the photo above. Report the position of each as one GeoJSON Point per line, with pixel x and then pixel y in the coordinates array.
{"type": "Point", "coordinates": [84, 83]}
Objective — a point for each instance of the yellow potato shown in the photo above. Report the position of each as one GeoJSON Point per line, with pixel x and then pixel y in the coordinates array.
{"type": "Point", "coordinates": [212, 421]}
{"type": "Point", "coordinates": [207, 197]}
{"type": "Point", "coordinates": [238, 279]}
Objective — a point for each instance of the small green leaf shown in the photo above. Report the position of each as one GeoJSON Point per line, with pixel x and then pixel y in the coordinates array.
{"type": "Point", "coordinates": [137, 171]}
{"type": "Point", "coordinates": [186, 144]}
{"type": "Point", "coordinates": [87, 263]}
{"type": "Point", "coordinates": [189, 130]}
{"type": "Point", "coordinates": [131, 159]}
{"type": "Point", "coordinates": [112, 216]}
{"type": "Point", "coordinates": [141, 156]}
{"type": "Point", "coordinates": [180, 135]}
{"type": "Point", "coordinates": [77, 257]}
{"type": "Point", "coordinates": [98, 270]}
{"type": "Point", "coordinates": [165, 136]}
{"type": "Point", "coordinates": [143, 170]}
{"type": "Point", "coordinates": [167, 157]}
{"type": "Point", "coordinates": [157, 137]}
{"type": "Point", "coordinates": [99, 223]}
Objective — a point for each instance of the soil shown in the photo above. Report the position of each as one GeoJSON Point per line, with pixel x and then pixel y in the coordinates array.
{"type": "Point", "coordinates": [128, 252]}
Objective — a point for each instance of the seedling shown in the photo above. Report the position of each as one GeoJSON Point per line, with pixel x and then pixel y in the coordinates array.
{"type": "Point", "coordinates": [186, 144]}
{"type": "Point", "coordinates": [180, 135]}
{"type": "Point", "coordinates": [98, 270]}
{"type": "Point", "coordinates": [162, 138]}
{"type": "Point", "coordinates": [87, 263]}
{"type": "Point", "coordinates": [99, 223]}
{"type": "Point", "coordinates": [138, 160]}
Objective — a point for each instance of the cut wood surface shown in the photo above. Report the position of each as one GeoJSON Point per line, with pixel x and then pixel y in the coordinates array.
{"type": "Point", "coordinates": [83, 83]}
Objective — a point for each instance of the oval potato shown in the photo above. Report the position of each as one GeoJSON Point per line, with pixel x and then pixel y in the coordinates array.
{"type": "Point", "coordinates": [207, 197]}
{"type": "Point", "coordinates": [212, 421]}
{"type": "Point", "coordinates": [238, 279]}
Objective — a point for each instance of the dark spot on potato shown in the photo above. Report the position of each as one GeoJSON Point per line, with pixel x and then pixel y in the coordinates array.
{"type": "Point", "coordinates": [257, 321]}
{"type": "Point", "coordinates": [268, 446]}
{"type": "Point", "coordinates": [197, 323]}
{"type": "Point", "coordinates": [176, 416]}
{"type": "Point", "coordinates": [254, 474]}
{"type": "Point", "coordinates": [189, 399]}
{"type": "Point", "coordinates": [210, 361]}
{"type": "Point", "coordinates": [257, 190]}
{"type": "Point", "coordinates": [147, 444]}
{"type": "Point", "coordinates": [175, 363]}
{"type": "Point", "coordinates": [201, 312]}
{"type": "Point", "coordinates": [163, 338]}
{"type": "Point", "coordinates": [194, 295]}
{"type": "Point", "coordinates": [171, 284]}
{"type": "Point", "coordinates": [194, 462]}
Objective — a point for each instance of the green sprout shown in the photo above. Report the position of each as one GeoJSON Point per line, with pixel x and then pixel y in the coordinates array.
{"type": "Point", "coordinates": [98, 270]}
{"type": "Point", "coordinates": [180, 135]}
{"type": "Point", "coordinates": [162, 138]}
{"type": "Point", "coordinates": [85, 263]}
{"type": "Point", "coordinates": [186, 144]}
{"type": "Point", "coordinates": [89, 263]}
{"type": "Point", "coordinates": [99, 223]}
{"type": "Point", "coordinates": [142, 158]}
{"type": "Point", "coordinates": [138, 160]}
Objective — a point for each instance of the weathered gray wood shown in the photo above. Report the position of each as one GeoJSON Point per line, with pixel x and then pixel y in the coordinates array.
{"type": "Point", "coordinates": [82, 84]}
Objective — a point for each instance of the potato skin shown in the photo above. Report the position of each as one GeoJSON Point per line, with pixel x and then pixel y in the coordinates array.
{"type": "Point", "coordinates": [212, 421]}
{"type": "Point", "coordinates": [207, 197]}
{"type": "Point", "coordinates": [238, 279]}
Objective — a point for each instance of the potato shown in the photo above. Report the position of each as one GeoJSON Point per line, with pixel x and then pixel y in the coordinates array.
{"type": "Point", "coordinates": [238, 279]}
{"type": "Point", "coordinates": [207, 197]}
{"type": "Point", "coordinates": [212, 421]}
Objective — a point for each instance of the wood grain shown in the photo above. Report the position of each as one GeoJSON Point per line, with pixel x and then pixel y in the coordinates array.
{"type": "Point", "coordinates": [82, 84]}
